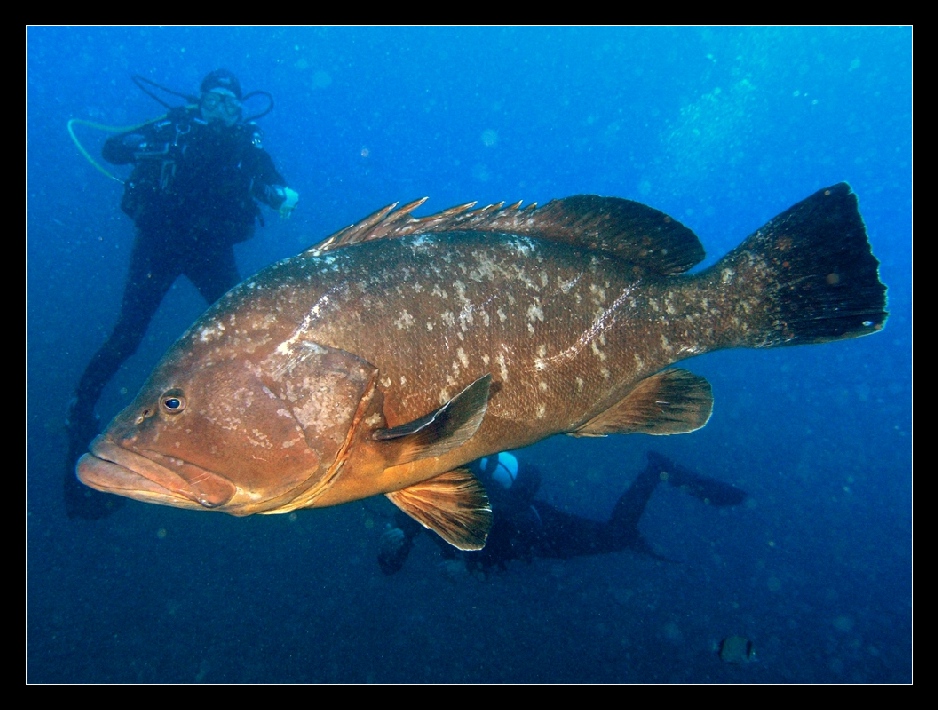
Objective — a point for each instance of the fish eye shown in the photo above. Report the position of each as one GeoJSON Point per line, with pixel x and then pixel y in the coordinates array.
{"type": "Point", "coordinates": [173, 401]}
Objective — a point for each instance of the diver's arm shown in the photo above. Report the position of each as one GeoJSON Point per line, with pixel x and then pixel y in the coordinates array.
{"type": "Point", "coordinates": [279, 197]}
{"type": "Point", "coordinates": [150, 139]}
{"type": "Point", "coordinates": [123, 148]}
{"type": "Point", "coordinates": [269, 186]}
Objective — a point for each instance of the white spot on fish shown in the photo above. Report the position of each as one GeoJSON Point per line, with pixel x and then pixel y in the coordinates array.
{"type": "Point", "coordinates": [540, 363]}
{"type": "Point", "coordinates": [465, 316]}
{"type": "Point", "coordinates": [599, 293]}
{"type": "Point", "coordinates": [565, 286]}
{"type": "Point", "coordinates": [420, 241]}
{"type": "Point", "coordinates": [597, 352]}
{"type": "Point", "coordinates": [404, 321]}
{"type": "Point", "coordinates": [502, 366]}
{"type": "Point", "coordinates": [522, 247]}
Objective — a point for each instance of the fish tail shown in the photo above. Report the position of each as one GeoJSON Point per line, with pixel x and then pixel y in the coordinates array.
{"type": "Point", "coordinates": [807, 276]}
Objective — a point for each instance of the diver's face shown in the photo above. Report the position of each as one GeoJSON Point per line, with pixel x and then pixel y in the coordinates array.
{"type": "Point", "coordinates": [220, 105]}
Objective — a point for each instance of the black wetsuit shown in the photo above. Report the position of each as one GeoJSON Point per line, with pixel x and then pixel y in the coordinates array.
{"type": "Point", "coordinates": [193, 194]}
{"type": "Point", "coordinates": [524, 528]}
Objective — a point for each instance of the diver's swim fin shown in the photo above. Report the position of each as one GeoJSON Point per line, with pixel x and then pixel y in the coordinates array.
{"type": "Point", "coordinates": [708, 490]}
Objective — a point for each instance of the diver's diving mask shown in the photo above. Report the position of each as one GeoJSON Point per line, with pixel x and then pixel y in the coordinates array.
{"type": "Point", "coordinates": [220, 105]}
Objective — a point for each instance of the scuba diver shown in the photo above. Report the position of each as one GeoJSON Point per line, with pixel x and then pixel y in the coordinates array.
{"type": "Point", "coordinates": [525, 528]}
{"type": "Point", "coordinates": [198, 175]}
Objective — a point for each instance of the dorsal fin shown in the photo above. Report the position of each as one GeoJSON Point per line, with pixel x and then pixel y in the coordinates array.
{"type": "Point", "coordinates": [636, 233]}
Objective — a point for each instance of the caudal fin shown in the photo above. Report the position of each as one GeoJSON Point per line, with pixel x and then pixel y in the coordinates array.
{"type": "Point", "coordinates": [807, 276]}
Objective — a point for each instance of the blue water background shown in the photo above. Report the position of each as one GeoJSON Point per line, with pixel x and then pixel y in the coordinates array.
{"type": "Point", "coordinates": [722, 128]}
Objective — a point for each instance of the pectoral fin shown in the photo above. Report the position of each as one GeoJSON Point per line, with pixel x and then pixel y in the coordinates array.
{"type": "Point", "coordinates": [453, 505]}
{"type": "Point", "coordinates": [442, 430]}
{"type": "Point", "coordinates": [671, 402]}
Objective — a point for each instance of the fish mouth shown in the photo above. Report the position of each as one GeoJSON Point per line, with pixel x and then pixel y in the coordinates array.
{"type": "Point", "coordinates": [111, 468]}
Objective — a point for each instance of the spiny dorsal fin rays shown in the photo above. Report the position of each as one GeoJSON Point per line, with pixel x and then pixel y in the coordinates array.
{"type": "Point", "coordinates": [643, 237]}
{"type": "Point", "coordinates": [360, 230]}
{"type": "Point", "coordinates": [389, 223]}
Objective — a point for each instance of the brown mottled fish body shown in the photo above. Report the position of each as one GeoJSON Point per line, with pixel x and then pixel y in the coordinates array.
{"type": "Point", "coordinates": [402, 348]}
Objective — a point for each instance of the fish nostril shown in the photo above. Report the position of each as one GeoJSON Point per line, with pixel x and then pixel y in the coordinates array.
{"type": "Point", "coordinates": [144, 415]}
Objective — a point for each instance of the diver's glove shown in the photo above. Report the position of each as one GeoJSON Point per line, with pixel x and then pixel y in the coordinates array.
{"type": "Point", "coordinates": [395, 546]}
{"type": "Point", "coordinates": [290, 198]}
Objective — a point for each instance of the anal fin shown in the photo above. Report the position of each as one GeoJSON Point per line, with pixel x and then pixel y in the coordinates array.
{"type": "Point", "coordinates": [674, 401]}
{"type": "Point", "coordinates": [454, 505]}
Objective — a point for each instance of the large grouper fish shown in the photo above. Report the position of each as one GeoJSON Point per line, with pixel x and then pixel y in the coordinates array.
{"type": "Point", "coordinates": [387, 357]}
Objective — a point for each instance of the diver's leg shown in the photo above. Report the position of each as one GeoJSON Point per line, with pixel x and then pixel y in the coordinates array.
{"type": "Point", "coordinates": [545, 531]}
{"type": "Point", "coordinates": [150, 277]}
{"type": "Point", "coordinates": [708, 490]}
{"type": "Point", "coordinates": [147, 283]}
{"type": "Point", "coordinates": [213, 271]}
{"type": "Point", "coordinates": [563, 535]}
{"type": "Point", "coordinates": [623, 524]}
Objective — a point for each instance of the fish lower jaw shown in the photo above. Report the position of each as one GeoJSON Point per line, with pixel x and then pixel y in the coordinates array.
{"type": "Point", "coordinates": [111, 468]}
{"type": "Point", "coordinates": [109, 477]}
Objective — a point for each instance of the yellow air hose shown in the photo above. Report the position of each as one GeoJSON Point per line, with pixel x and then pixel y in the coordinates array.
{"type": "Point", "coordinates": [100, 127]}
